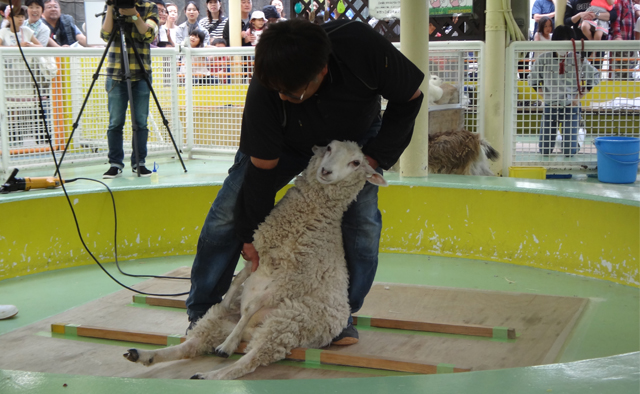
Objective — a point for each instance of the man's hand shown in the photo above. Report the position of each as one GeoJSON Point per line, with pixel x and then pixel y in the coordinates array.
{"type": "Point", "coordinates": [127, 11]}
{"type": "Point", "coordinates": [372, 162]}
{"type": "Point", "coordinates": [250, 253]}
{"type": "Point", "coordinates": [589, 16]}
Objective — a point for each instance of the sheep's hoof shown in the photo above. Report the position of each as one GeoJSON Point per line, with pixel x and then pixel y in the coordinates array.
{"type": "Point", "coordinates": [197, 376]}
{"type": "Point", "coordinates": [132, 355]}
{"type": "Point", "coordinates": [220, 353]}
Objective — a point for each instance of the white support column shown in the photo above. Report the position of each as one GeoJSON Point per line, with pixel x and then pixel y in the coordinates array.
{"type": "Point", "coordinates": [414, 39]}
{"type": "Point", "coordinates": [561, 8]}
{"type": "Point", "coordinates": [494, 79]}
{"type": "Point", "coordinates": [235, 15]}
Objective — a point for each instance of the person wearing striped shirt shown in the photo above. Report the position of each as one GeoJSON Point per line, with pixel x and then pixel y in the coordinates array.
{"type": "Point", "coordinates": [215, 20]}
{"type": "Point", "coordinates": [140, 26]}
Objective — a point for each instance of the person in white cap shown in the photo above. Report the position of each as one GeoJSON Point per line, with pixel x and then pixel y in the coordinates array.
{"type": "Point", "coordinates": [256, 26]}
{"type": "Point", "coordinates": [7, 311]}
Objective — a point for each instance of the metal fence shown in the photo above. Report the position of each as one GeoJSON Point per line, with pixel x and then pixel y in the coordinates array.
{"type": "Point", "coordinates": [545, 128]}
{"type": "Point", "coordinates": [201, 93]}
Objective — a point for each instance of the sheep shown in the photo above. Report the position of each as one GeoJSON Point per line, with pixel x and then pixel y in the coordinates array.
{"type": "Point", "coordinates": [435, 91]}
{"type": "Point", "coordinates": [298, 295]}
{"type": "Point", "coordinates": [460, 152]}
{"type": "Point", "coordinates": [441, 93]}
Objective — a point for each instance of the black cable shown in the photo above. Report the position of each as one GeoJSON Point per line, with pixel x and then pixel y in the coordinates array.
{"type": "Point", "coordinates": [64, 189]}
{"type": "Point", "coordinates": [115, 217]}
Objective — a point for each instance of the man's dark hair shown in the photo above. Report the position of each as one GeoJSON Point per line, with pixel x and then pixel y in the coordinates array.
{"type": "Point", "coordinates": [290, 53]}
{"type": "Point", "coordinates": [270, 11]}
{"type": "Point", "coordinates": [219, 41]}
{"type": "Point", "coordinates": [563, 33]}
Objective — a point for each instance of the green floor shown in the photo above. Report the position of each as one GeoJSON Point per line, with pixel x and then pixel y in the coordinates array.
{"type": "Point", "coordinates": [608, 327]}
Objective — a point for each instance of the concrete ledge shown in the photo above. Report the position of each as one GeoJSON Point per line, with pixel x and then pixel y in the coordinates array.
{"type": "Point", "coordinates": [584, 228]}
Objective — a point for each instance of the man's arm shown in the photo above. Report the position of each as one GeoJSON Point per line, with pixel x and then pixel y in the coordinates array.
{"type": "Point", "coordinates": [536, 17]}
{"type": "Point", "coordinates": [249, 252]}
{"type": "Point", "coordinates": [140, 23]}
{"type": "Point", "coordinates": [82, 39]}
{"type": "Point", "coordinates": [536, 12]}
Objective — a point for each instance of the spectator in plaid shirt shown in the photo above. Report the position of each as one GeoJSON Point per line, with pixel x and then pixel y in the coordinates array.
{"type": "Point", "coordinates": [140, 26]}
{"type": "Point", "coordinates": [622, 29]}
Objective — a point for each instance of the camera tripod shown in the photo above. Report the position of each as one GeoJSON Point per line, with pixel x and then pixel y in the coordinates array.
{"type": "Point", "coordinates": [118, 24]}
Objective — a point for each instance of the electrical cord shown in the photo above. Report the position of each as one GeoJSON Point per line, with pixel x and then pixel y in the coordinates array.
{"type": "Point", "coordinates": [64, 189]}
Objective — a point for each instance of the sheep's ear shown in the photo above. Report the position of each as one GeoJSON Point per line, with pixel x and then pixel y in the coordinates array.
{"type": "Point", "coordinates": [377, 179]}
{"type": "Point", "coordinates": [319, 150]}
{"type": "Point", "coordinates": [374, 177]}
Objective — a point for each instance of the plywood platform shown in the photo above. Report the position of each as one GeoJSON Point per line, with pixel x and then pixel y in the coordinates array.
{"type": "Point", "coordinates": [542, 323]}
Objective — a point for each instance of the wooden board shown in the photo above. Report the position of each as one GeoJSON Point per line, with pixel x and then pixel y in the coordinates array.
{"type": "Point", "coordinates": [542, 323]}
{"type": "Point", "coordinates": [372, 321]}
{"type": "Point", "coordinates": [321, 356]}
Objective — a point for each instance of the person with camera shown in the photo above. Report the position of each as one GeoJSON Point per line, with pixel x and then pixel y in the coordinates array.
{"type": "Point", "coordinates": [139, 20]}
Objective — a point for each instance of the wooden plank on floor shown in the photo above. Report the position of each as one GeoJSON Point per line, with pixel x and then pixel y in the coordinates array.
{"type": "Point", "coordinates": [160, 301]}
{"type": "Point", "coordinates": [460, 329]}
{"type": "Point", "coordinates": [297, 354]}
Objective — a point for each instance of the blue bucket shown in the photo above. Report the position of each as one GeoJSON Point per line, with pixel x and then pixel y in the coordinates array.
{"type": "Point", "coordinates": [617, 159]}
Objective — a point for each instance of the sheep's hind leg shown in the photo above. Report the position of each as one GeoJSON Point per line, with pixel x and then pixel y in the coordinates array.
{"type": "Point", "coordinates": [233, 340]}
{"type": "Point", "coordinates": [235, 285]}
{"type": "Point", "coordinates": [190, 348]}
{"type": "Point", "coordinates": [271, 342]}
{"type": "Point", "coordinates": [210, 331]}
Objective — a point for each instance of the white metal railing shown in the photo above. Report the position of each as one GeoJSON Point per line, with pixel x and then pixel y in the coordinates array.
{"type": "Point", "coordinates": [201, 93]}
{"type": "Point", "coordinates": [610, 108]}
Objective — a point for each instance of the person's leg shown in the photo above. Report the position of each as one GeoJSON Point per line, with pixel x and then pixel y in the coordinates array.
{"type": "Point", "coordinates": [218, 246]}
{"type": "Point", "coordinates": [141, 94]}
{"type": "Point", "coordinates": [586, 30]}
{"type": "Point", "coordinates": [597, 36]}
{"type": "Point", "coordinates": [547, 130]}
{"type": "Point", "coordinates": [361, 227]}
{"type": "Point", "coordinates": [570, 121]}
{"type": "Point", "coordinates": [118, 100]}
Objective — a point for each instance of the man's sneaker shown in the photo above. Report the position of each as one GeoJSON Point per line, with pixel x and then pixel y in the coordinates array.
{"type": "Point", "coordinates": [7, 311]}
{"type": "Point", "coordinates": [348, 336]}
{"type": "Point", "coordinates": [113, 172]}
{"type": "Point", "coordinates": [144, 171]}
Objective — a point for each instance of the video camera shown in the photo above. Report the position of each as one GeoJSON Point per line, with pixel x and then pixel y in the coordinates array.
{"type": "Point", "coordinates": [122, 3]}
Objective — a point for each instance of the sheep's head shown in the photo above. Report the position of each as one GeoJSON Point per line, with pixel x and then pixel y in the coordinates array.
{"type": "Point", "coordinates": [435, 80]}
{"type": "Point", "coordinates": [340, 159]}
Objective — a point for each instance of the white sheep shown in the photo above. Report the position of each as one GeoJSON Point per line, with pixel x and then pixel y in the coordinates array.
{"type": "Point", "coordinates": [298, 295]}
{"type": "Point", "coordinates": [441, 93]}
{"type": "Point", "coordinates": [435, 91]}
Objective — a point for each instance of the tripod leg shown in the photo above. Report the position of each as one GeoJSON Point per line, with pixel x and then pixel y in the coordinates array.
{"type": "Point", "coordinates": [86, 98]}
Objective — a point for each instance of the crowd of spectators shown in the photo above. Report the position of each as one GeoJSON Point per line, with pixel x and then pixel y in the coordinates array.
{"type": "Point", "coordinates": [596, 20]}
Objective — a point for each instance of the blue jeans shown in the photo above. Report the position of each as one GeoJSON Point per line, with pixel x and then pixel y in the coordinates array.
{"type": "Point", "coordinates": [219, 248]}
{"type": "Point", "coordinates": [552, 117]}
{"type": "Point", "coordinates": [118, 103]}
